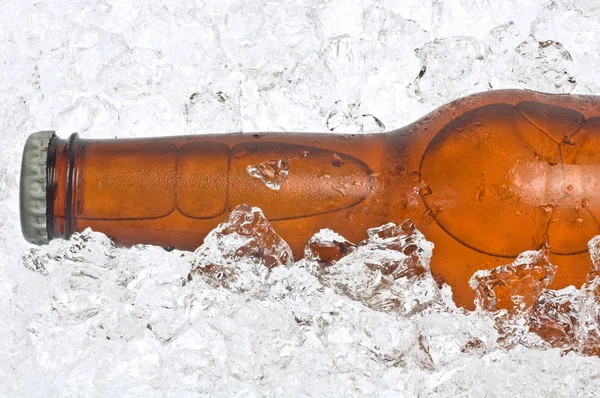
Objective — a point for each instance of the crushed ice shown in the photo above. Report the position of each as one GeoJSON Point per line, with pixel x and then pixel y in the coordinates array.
{"type": "Point", "coordinates": [238, 313]}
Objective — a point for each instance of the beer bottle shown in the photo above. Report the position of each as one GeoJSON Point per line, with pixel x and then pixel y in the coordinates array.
{"type": "Point", "coordinates": [485, 178]}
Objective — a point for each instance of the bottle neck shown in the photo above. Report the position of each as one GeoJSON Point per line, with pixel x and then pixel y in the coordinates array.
{"type": "Point", "coordinates": [193, 180]}
{"type": "Point", "coordinates": [60, 177]}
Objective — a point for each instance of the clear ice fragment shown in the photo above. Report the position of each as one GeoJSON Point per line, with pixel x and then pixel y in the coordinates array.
{"type": "Point", "coordinates": [474, 346]}
{"type": "Point", "coordinates": [404, 237]}
{"type": "Point", "coordinates": [568, 319]}
{"type": "Point", "coordinates": [594, 250]}
{"type": "Point", "coordinates": [388, 272]}
{"type": "Point", "coordinates": [544, 64]}
{"type": "Point", "coordinates": [245, 240]}
{"type": "Point", "coordinates": [326, 247]}
{"type": "Point", "coordinates": [272, 172]}
{"type": "Point", "coordinates": [353, 119]}
{"type": "Point", "coordinates": [554, 317]}
{"type": "Point", "coordinates": [588, 332]}
{"type": "Point", "coordinates": [514, 287]}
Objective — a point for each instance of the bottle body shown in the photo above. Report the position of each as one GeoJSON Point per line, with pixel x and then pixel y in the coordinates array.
{"type": "Point", "coordinates": [484, 178]}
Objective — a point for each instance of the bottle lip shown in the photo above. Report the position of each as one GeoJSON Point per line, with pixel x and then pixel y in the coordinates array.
{"type": "Point", "coordinates": [32, 187]}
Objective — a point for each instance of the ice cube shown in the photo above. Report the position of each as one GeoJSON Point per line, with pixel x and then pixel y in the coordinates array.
{"type": "Point", "coordinates": [444, 336]}
{"type": "Point", "coordinates": [588, 332]}
{"type": "Point", "coordinates": [554, 317]}
{"type": "Point", "coordinates": [272, 172]}
{"type": "Point", "coordinates": [568, 319]}
{"type": "Point", "coordinates": [404, 238]}
{"type": "Point", "coordinates": [388, 272]}
{"type": "Point", "coordinates": [474, 346]}
{"type": "Point", "coordinates": [245, 244]}
{"type": "Point", "coordinates": [247, 235]}
{"type": "Point", "coordinates": [514, 287]}
{"type": "Point", "coordinates": [594, 250]}
{"type": "Point", "coordinates": [326, 247]}
{"type": "Point", "coordinates": [401, 237]}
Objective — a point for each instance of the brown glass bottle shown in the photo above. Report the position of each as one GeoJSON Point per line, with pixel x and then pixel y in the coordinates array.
{"type": "Point", "coordinates": [484, 178]}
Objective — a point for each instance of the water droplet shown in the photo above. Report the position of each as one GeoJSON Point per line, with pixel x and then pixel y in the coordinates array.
{"type": "Point", "coordinates": [568, 140]}
{"type": "Point", "coordinates": [240, 154]}
{"type": "Point", "coordinates": [337, 161]}
{"type": "Point", "coordinates": [459, 124]}
{"type": "Point", "coordinates": [399, 169]}
{"type": "Point", "coordinates": [428, 217]}
{"type": "Point", "coordinates": [553, 161]}
{"type": "Point", "coordinates": [414, 177]}
{"type": "Point", "coordinates": [272, 172]}
{"type": "Point", "coordinates": [423, 189]}
{"type": "Point", "coordinates": [408, 227]}
{"type": "Point", "coordinates": [547, 208]}
{"type": "Point", "coordinates": [585, 203]}
{"type": "Point", "coordinates": [480, 193]}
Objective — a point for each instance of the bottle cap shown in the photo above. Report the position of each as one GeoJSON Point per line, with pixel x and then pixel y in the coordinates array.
{"type": "Point", "coordinates": [32, 189]}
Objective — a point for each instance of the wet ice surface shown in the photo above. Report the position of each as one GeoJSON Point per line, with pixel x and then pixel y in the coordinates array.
{"type": "Point", "coordinates": [271, 172]}
{"type": "Point", "coordinates": [237, 316]}
{"type": "Point", "coordinates": [81, 317]}
{"type": "Point", "coordinates": [326, 247]}
{"type": "Point", "coordinates": [388, 272]}
{"type": "Point", "coordinates": [516, 286]}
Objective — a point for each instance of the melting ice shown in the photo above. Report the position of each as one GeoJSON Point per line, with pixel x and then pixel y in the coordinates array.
{"type": "Point", "coordinates": [272, 172]}
{"type": "Point", "coordinates": [240, 314]}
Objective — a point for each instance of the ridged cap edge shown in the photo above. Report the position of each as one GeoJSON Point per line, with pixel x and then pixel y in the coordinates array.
{"type": "Point", "coordinates": [32, 188]}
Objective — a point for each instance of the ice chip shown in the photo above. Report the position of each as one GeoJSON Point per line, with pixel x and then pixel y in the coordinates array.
{"type": "Point", "coordinates": [80, 247]}
{"type": "Point", "coordinates": [452, 64]}
{"type": "Point", "coordinates": [256, 239]}
{"type": "Point", "coordinates": [351, 118]}
{"type": "Point", "coordinates": [588, 332]}
{"type": "Point", "coordinates": [445, 336]}
{"type": "Point", "coordinates": [388, 272]}
{"type": "Point", "coordinates": [545, 64]}
{"type": "Point", "coordinates": [391, 230]}
{"type": "Point", "coordinates": [245, 242]}
{"type": "Point", "coordinates": [474, 346]}
{"type": "Point", "coordinates": [422, 355]}
{"type": "Point", "coordinates": [36, 260]}
{"type": "Point", "coordinates": [528, 314]}
{"type": "Point", "coordinates": [326, 247]}
{"type": "Point", "coordinates": [403, 238]}
{"type": "Point", "coordinates": [554, 317]}
{"type": "Point", "coordinates": [96, 285]}
{"type": "Point", "coordinates": [272, 172]}
{"type": "Point", "coordinates": [594, 250]}
{"type": "Point", "coordinates": [514, 287]}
